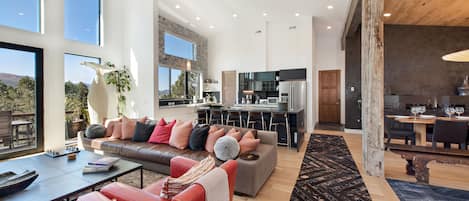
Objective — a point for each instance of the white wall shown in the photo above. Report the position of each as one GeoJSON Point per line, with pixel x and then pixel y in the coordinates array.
{"type": "Point", "coordinates": [330, 57]}
{"type": "Point", "coordinates": [125, 25]}
{"type": "Point", "coordinates": [275, 47]}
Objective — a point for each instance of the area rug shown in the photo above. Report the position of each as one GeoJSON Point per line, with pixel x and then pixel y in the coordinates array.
{"type": "Point", "coordinates": [408, 191]}
{"type": "Point", "coordinates": [133, 178]}
{"type": "Point", "coordinates": [328, 172]}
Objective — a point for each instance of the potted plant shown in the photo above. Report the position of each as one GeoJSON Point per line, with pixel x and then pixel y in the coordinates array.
{"type": "Point", "coordinates": [121, 80]}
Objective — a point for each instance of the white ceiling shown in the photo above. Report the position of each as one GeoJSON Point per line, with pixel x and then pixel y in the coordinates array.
{"type": "Point", "coordinates": [219, 13]}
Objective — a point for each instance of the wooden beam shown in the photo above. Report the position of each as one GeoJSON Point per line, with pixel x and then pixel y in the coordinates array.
{"type": "Point", "coordinates": [373, 86]}
{"type": "Point", "coordinates": [354, 19]}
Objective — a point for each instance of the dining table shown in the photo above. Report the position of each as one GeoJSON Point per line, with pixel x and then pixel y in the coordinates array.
{"type": "Point", "coordinates": [420, 124]}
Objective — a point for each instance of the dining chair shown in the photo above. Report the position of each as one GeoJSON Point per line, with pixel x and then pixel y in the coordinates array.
{"type": "Point", "coordinates": [450, 132]}
{"type": "Point", "coordinates": [396, 130]}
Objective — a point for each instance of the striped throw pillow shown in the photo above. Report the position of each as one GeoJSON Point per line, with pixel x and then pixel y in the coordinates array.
{"type": "Point", "coordinates": [173, 186]}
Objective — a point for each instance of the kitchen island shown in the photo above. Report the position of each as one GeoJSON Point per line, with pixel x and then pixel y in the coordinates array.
{"type": "Point", "coordinates": [295, 120]}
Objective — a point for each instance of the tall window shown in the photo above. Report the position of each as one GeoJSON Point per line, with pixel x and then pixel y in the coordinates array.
{"type": "Point", "coordinates": [21, 14]}
{"type": "Point", "coordinates": [20, 100]}
{"type": "Point", "coordinates": [78, 79]}
{"type": "Point", "coordinates": [82, 20]}
{"type": "Point", "coordinates": [179, 47]}
{"type": "Point", "coordinates": [176, 84]}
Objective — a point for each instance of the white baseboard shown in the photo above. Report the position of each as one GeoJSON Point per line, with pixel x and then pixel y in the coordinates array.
{"type": "Point", "coordinates": [353, 131]}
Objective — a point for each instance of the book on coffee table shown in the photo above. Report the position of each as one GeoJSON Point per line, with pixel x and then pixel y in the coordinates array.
{"type": "Point", "coordinates": [100, 165]}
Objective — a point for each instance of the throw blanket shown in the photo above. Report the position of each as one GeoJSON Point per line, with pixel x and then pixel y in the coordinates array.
{"type": "Point", "coordinates": [173, 186]}
{"type": "Point", "coordinates": [216, 185]}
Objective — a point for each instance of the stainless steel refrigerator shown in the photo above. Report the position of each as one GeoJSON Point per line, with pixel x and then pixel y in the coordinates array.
{"type": "Point", "coordinates": [296, 93]}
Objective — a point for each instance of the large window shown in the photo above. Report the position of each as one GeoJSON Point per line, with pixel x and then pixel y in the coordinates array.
{"type": "Point", "coordinates": [177, 86]}
{"type": "Point", "coordinates": [21, 126]}
{"type": "Point", "coordinates": [179, 47]}
{"type": "Point", "coordinates": [82, 20]}
{"type": "Point", "coordinates": [78, 79]}
{"type": "Point", "coordinates": [21, 14]}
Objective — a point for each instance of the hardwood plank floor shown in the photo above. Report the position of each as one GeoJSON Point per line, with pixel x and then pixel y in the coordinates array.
{"type": "Point", "coordinates": [281, 183]}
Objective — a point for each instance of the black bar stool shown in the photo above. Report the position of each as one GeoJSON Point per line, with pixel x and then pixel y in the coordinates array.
{"type": "Point", "coordinates": [234, 117]}
{"type": "Point", "coordinates": [254, 118]}
{"type": "Point", "coordinates": [276, 119]}
{"type": "Point", "coordinates": [216, 116]}
{"type": "Point", "coordinates": [202, 117]}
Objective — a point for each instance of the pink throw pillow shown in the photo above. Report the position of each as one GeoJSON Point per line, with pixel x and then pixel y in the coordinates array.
{"type": "Point", "coordinates": [117, 131]}
{"type": "Point", "coordinates": [128, 127]}
{"type": "Point", "coordinates": [212, 138]}
{"type": "Point", "coordinates": [109, 125]}
{"type": "Point", "coordinates": [180, 134]}
{"type": "Point", "coordinates": [162, 132]}
{"type": "Point", "coordinates": [234, 133]}
{"type": "Point", "coordinates": [248, 143]}
{"type": "Point", "coordinates": [213, 129]}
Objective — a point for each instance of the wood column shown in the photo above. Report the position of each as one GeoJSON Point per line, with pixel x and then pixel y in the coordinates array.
{"type": "Point", "coordinates": [373, 86]}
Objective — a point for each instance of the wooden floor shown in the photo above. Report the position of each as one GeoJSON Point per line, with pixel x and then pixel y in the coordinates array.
{"type": "Point", "coordinates": [282, 181]}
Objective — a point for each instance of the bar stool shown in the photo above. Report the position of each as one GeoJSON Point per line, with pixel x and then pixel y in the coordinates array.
{"type": "Point", "coordinates": [216, 116]}
{"type": "Point", "coordinates": [253, 118]}
{"type": "Point", "coordinates": [202, 117]}
{"type": "Point", "coordinates": [280, 116]}
{"type": "Point", "coordinates": [234, 117]}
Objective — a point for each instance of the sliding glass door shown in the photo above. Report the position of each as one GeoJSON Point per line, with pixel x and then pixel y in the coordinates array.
{"type": "Point", "coordinates": [21, 101]}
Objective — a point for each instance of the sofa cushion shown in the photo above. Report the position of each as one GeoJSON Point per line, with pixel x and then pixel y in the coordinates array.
{"type": "Point", "coordinates": [212, 138]}
{"type": "Point", "coordinates": [142, 132]}
{"type": "Point", "coordinates": [226, 148]}
{"type": "Point", "coordinates": [128, 127]}
{"type": "Point", "coordinates": [248, 143]}
{"type": "Point", "coordinates": [180, 134]}
{"type": "Point", "coordinates": [162, 132]}
{"type": "Point", "coordinates": [95, 131]}
{"type": "Point", "coordinates": [109, 124]}
{"type": "Point", "coordinates": [117, 130]}
{"type": "Point", "coordinates": [198, 138]}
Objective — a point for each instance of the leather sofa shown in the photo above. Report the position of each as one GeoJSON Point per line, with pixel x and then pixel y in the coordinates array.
{"type": "Point", "coordinates": [156, 157]}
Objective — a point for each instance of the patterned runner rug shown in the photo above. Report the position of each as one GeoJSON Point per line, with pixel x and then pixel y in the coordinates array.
{"type": "Point", "coordinates": [328, 172]}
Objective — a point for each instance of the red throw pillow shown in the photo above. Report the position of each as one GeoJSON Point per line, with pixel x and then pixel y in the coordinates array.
{"type": "Point", "coordinates": [128, 127]}
{"type": "Point", "coordinates": [212, 138]}
{"type": "Point", "coordinates": [180, 134]}
{"type": "Point", "coordinates": [248, 143]}
{"type": "Point", "coordinates": [162, 132]}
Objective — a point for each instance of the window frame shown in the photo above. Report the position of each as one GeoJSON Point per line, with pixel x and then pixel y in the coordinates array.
{"type": "Point", "coordinates": [39, 95]}
{"type": "Point", "coordinates": [194, 45]}
{"type": "Point", "coordinates": [40, 21]}
{"type": "Point", "coordinates": [100, 27]}
{"type": "Point", "coordinates": [177, 101]}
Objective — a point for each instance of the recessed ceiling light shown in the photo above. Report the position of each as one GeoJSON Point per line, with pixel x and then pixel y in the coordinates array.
{"type": "Point", "coordinates": [330, 7]}
{"type": "Point", "coordinates": [178, 6]}
{"type": "Point", "coordinates": [197, 18]}
{"type": "Point", "coordinates": [20, 14]}
{"type": "Point", "coordinates": [297, 14]}
{"type": "Point", "coordinates": [235, 15]}
{"type": "Point", "coordinates": [387, 14]}
{"type": "Point", "coordinates": [265, 14]}
{"type": "Point", "coordinates": [329, 27]}
{"type": "Point", "coordinates": [211, 27]}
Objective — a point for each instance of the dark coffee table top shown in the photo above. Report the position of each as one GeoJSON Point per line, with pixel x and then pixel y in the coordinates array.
{"type": "Point", "coordinates": [59, 177]}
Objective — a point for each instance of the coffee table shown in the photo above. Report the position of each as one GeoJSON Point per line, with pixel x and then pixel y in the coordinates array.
{"type": "Point", "coordinates": [60, 178]}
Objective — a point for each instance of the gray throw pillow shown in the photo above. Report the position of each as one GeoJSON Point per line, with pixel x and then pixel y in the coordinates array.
{"type": "Point", "coordinates": [226, 148]}
{"type": "Point", "coordinates": [95, 131]}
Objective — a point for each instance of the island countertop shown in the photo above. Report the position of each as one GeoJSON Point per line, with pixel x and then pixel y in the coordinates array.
{"type": "Point", "coordinates": [252, 109]}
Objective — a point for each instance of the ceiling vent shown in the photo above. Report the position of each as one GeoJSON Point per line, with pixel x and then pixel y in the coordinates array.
{"type": "Point", "coordinates": [292, 27]}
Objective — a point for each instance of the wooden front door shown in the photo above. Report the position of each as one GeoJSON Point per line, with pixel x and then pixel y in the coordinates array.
{"type": "Point", "coordinates": [329, 96]}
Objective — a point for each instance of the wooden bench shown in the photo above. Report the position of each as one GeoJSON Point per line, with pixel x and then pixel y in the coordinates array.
{"type": "Point", "coordinates": [418, 157]}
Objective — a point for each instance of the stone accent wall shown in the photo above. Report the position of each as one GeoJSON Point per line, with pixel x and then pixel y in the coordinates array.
{"type": "Point", "coordinates": [201, 62]}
